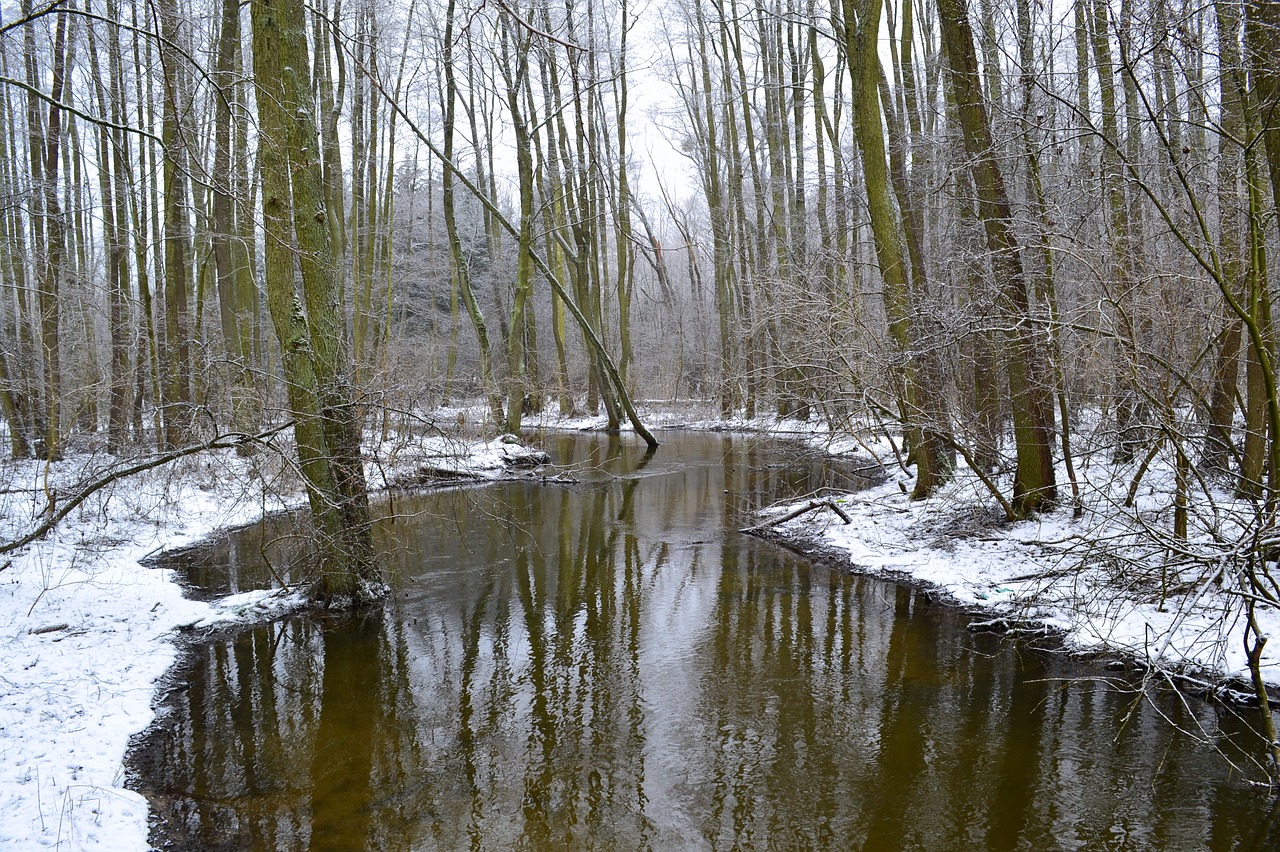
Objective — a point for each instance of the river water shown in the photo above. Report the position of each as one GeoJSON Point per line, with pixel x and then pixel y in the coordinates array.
{"type": "Point", "coordinates": [606, 664]}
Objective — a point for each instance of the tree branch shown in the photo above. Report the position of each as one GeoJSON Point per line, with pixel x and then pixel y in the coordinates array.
{"type": "Point", "coordinates": [227, 441]}
{"type": "Point", "coordinates": [32, 16]}
{"type": "Point", "coordinates": [66, 107]}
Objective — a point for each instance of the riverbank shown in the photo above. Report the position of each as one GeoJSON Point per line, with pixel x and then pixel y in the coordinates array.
{"type": "Point", "coordinates": [88, 627]}
{"type": "Point", "coordinates": [1113, 579]}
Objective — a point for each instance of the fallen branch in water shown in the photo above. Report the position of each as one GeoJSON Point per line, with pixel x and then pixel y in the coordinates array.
{"type": "Point", "coordinates": [814, 505]}
{"type": "Point", "coordinates": [1010, 627]}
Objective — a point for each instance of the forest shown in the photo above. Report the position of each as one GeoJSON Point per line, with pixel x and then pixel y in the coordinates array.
{"type": "Point", "coordinates": [1015, 258]}
{"type": "Point", "coordinates": [998, 232]}
{"type": "Point", "coordinates": [946, 216]}
{"type": "Point", "coordinates": [970, 225]}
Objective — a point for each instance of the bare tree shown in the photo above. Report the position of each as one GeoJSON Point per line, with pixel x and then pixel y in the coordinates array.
{"type": "Point", "coordinates": [1034, 486]}
{"type": "Point", "coordinates": [310, 325]}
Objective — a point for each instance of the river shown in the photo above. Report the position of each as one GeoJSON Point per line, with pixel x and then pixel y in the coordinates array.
{"type": "Point", "coordinates": [601, 661]}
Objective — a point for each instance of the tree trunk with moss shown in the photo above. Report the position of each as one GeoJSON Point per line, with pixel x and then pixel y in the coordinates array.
{"type": "Point", "coordinates": [175, 361]}
{"type": "Point", "coordinates": [917, 401]}
{"type": "Point", "coordinates": [515, 67]}
{"type": "Point", "coordinates": [310, 326]}
{"type": "Point", "coordinates": [1262, 43]}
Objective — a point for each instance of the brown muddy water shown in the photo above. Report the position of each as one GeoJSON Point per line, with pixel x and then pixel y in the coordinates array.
{"type": "Point", "coordinates": [607, 664]}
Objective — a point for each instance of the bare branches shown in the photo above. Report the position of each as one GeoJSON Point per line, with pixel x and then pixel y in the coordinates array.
{"type": "Point", "coordinates": [534, 31]}
{"type": "Point", "coordinates": [54, 513]}
{"type": "Point", "coordinates": [76, 111]}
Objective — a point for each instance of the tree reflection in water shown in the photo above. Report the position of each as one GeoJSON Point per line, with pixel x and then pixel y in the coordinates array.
{"type": "Point", "coordinates": [602, 665]}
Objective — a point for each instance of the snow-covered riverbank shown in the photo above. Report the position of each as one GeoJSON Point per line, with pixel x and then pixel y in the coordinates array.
{"type": "Point", "coordinates": [88, 628]}
{"type": "Point", "coordinates": [1076, 577]}
{"type": "Point", "coordinates": [1114, 580]}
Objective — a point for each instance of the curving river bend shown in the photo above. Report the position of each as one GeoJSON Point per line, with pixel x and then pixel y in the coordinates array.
{"type": "Point", "coordinates": [606, 664]}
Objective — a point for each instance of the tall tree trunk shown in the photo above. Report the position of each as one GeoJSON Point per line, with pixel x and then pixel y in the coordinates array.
{"type": "Point", "coordinates": [17, 386]}
{"type": "Point", "coordinates": [1232, 240]}
{"type": "Point", "coordinates": [1054, 386]}
{"type": "Point", "coordinates": [311, 329]}
{"type": "Point", "coordinates": [916, 400]}
{"type": "Point", "coordinates": [515, 46]}
{"type": "Point", "coordinates": [1122, 272]}
{"type": "Point", "coordinates": [142, 213]}
{"type": "Point", "coordinates": [554, 197]}
{"type": "Point", "coordinates": [1034, 485]}
{"type": "Point", "coordinates": [39, 236]}
{"type": "Point", "coordinates": [224, 233]}
{"type": "Point", "coordinates": [707, 121]}
{"type": "Point", "coordinates": [110, 182]}
{"type": "Point", "coordinates": [245, 255]}
{"type": "Point", "coordinates": [1262, 42]}
{"type": "Point", "coordinates": [461, 262]}
{"type": "Point", "coordinates": [52, 265]}
{"type": "Point", "coordinates": [1082, 12]}
{"type": "Point", "coordinates": [175, 366]}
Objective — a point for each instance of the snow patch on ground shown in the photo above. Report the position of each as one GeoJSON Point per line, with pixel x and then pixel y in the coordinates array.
{"type": "Point", "coordinates": [87, 631]}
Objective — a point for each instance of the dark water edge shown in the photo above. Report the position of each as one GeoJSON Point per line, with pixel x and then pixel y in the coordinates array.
{"type": "Point", "coordinates": [606, 664]}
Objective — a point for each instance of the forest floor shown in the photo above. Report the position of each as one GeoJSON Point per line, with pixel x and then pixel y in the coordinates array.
{"type": "Point", "coordinates": [88, 626]}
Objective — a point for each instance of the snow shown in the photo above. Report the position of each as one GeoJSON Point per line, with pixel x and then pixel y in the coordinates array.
{"type": "Point", "coordinates": [73, 694]}
{"type": "Point", "coordinates": [1114, 580]}
{"type": "Point", "coordinates": [88, 628]}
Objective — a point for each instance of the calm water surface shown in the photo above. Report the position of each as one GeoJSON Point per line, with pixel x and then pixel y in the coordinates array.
{"type": "Point", "coordinates": [607, 665]}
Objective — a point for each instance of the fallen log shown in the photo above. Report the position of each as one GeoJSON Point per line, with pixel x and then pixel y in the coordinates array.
{"type": "Point", "coordinates": [810, 507]}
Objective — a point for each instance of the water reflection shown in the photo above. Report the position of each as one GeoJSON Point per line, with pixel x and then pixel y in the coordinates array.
{"type": "Point", "coordinates": [600, 665]}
